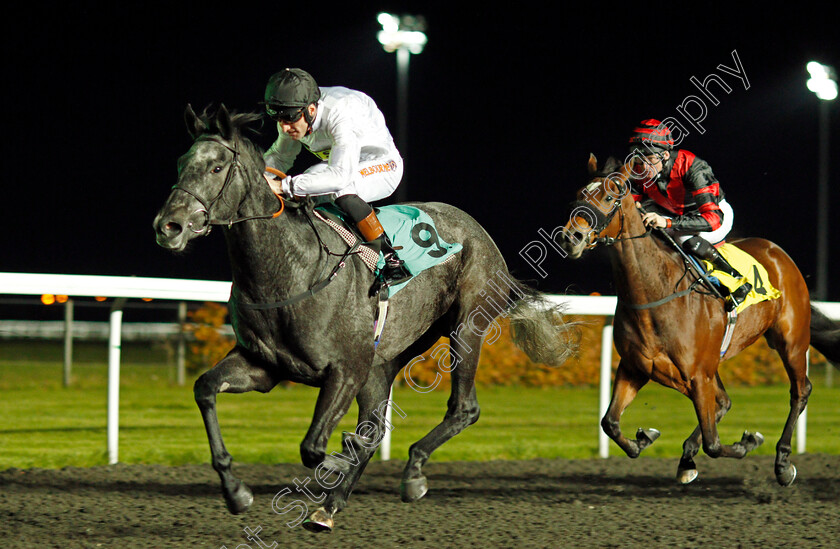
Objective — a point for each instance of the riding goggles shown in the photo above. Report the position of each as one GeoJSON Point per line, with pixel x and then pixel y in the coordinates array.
{"type": "Point", "coordinates": [279, 113]}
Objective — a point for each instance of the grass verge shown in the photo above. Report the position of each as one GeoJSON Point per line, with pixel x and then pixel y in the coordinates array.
{"type": "Point", "coordinates": [46, 425]}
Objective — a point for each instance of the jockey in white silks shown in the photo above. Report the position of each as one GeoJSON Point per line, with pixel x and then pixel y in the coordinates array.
{"type": "Point", "coordinates": [359, 161]}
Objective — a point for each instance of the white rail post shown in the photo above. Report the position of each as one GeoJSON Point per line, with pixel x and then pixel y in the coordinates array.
{"type": "Point", "coordinates": [68, 342]}
{"type": "Point", "coordinates": [802, 421]}
{"type": "Point", "coordinates": [385, 445]}
{"type": "Point", "coordinates": [181, 356]}
{"type": "Point", "coordinates": [114, 344]}
{"type": "Point", "coordinates": [606, 375]}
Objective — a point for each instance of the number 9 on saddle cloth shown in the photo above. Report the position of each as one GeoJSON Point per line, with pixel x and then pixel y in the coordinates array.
{"type": "Point", "coordinates": [389, 229]}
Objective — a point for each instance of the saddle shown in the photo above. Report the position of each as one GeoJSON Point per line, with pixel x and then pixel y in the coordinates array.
{"type": "Point", "coordinates": [718, 281]}
{"type": "Point", "coordinates": [411, 230]}
{"type": "Point", "coordinates": [753, 271]}
{"type": "Point", "coordinates": [325, 210]}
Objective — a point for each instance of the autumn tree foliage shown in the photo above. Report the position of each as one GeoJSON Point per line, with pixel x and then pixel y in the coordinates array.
{"type": "Point", "coordinates": [501, 363]}
{"type": "Point", "coordinates": [208, 341]}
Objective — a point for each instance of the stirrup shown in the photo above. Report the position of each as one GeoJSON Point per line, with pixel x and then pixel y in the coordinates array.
{"type": "Point", "coordinates": [394, 271]}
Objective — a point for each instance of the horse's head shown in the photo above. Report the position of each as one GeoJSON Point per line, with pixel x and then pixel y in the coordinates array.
{"type": "Point", "coordinates": [214, 178]}
{"type": "Point", "coordinates": [597, 215]}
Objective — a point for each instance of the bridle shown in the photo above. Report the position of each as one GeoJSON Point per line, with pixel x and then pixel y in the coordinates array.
{"type": "Point", "coordinates": [206, 205]}
{"type": "Point", "coordinates": [602, 221]}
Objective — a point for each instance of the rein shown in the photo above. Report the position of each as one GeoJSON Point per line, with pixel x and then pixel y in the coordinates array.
{"type": "Point", "coordinates": [209, 222]}
{"type": "Point", "coordinates": [702, 278]}
{"type": "Point", "coordinates": [610, 240]}
{"type": "Point", "coordinates": [315, 288]}
{"type": "Point", "coordinates": [236, 299]}
{"type": "Point", "coordinates": [206, 205]}
{"type": "Point", "coordinates": [689, 264]}
{"type": "Point", "coordinates": [662, 301]}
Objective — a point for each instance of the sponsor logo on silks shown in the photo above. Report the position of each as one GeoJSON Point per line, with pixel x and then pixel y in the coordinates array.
{"type": "Point", "coordinates": [323, 155]}
{"type": "Point", "coordinates": [389, 166]}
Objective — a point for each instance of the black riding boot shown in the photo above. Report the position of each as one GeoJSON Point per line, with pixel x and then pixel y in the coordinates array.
{"type": "Point", "coordinates": [394, 271]}
{"type": "Point", "coordinates": [702, 249]}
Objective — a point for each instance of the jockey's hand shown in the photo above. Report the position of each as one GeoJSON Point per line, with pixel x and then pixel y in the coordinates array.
{"type": "Point", "coordinates": [654, 220]}
{"type": "Point", "coordinates": [279, 186]}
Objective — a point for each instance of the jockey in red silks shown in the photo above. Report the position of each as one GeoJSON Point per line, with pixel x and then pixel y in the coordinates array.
{"type": "Point", "coordinates": [680, 194]}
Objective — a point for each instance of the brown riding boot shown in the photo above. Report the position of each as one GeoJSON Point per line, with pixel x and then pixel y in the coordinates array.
{"type": "Point", "coordinates": [394, 272]}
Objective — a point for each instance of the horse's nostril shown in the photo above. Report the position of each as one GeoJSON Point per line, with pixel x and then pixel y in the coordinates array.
{"type": "Point", "coordinates": [172, 229]}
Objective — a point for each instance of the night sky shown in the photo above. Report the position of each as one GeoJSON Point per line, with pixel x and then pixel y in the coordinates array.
{"type": "Point", "coordinates": [505, 107]}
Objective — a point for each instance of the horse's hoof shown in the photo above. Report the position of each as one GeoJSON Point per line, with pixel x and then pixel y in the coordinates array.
{"type": "Point", "coordinates": [414, 489]}
{"type": "Point", "coordinates": [645, 437]}
{"type": "Point", "coordinates": [786, 477]}
{"type": "Point", "coordinates": [686, 476]}
{"type": "Point", "coordinates": [240, 500]}
{"type": "Point", "coordinates": [751, 441]}
{"type": "Point", "coordinates": [319, 521]}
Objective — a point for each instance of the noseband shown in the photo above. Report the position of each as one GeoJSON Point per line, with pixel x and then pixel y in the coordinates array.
{"type": "Point", "coordinates": [602, 221]}
{"type": "Point", "coordinates": [206, 205]}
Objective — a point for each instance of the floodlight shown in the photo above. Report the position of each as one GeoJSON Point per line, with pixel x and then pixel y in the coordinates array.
{"type": "Point", "coordinates": [823, 81]}
{"type": "Point", "coordinates": [402, 33]}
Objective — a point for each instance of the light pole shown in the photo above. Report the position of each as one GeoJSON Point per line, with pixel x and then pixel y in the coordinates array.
{"type": "Point", "coordinates": [404, 35]}
{"type": "Point", "coordinates": [823, 83]}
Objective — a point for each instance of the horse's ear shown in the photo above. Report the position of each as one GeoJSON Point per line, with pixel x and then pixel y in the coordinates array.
{"type": "Point", "coordinates": [223, 123]}
{"type": "Point", "coordinates": [611, 165]}
{"type": "Point", "coordinates": [592, 166]}
{"type": "Point", "coordinates": [195, 126]}
{"type": "Point", "coordinates": [626, 169]}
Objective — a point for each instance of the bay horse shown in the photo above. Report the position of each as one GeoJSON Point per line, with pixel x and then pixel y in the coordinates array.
{"type": "Point", "coordinates": [294, 322]}
{"type": "Point", "coordinates": [668, 333]}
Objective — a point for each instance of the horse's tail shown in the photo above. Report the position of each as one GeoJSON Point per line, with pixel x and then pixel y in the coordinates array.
{"type": "Point", "coordinates": [825, 335]}
{"type": "Point", "coordinates": [538, 327]}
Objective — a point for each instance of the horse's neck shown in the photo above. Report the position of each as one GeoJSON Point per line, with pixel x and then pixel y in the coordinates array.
{"type": "Point", "coordinates": [642, 271]}
{"type": "Point", "coordinates": [272, 257]}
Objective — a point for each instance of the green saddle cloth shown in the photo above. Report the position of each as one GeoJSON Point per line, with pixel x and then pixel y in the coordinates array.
{"type": "Point", "coordinates": [412, 232]}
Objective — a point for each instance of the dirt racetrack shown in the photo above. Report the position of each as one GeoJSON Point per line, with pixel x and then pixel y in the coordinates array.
{"type": "Point", "coordinates": [616, 502]}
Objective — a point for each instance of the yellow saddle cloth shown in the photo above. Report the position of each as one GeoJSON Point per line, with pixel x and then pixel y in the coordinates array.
{"type": "Point", "coordinates": [753, 271]}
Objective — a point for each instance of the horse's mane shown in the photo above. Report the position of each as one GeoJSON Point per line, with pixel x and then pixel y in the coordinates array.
{"type": "Point", "coordinates": [231, 125]}
{"type": "Point", "coordinates": [238, 120]}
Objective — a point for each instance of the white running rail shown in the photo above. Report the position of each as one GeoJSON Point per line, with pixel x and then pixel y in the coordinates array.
{"type": "Point", "coordinates": [122, 288]}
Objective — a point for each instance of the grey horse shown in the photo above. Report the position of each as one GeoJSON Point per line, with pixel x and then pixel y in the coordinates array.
{"type": "Point", "coordinates": [302, 310]}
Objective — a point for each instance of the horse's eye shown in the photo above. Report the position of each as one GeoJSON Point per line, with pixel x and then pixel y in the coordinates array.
{"type": "Point", "coordinates": [217, 169]}
{"type": "Point", "coordinates": [609, 198]}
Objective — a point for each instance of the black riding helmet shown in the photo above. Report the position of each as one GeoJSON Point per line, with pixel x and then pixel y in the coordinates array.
{"type": "Point", "coordinates": [288, 93]}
